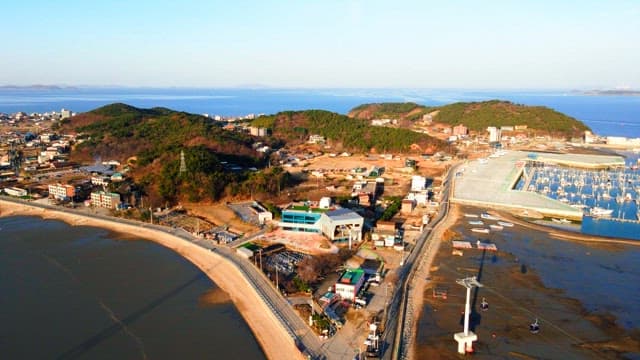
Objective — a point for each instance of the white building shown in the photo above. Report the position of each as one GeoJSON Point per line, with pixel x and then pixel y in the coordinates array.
{"type": "Point", "coordinates": [100, 180]}
{"type": "Point", "coordinates": [349, 284]}
{"type": "Point", "coordinates": [342, 224]}
{"type": "Point", "coordinates": [337, 225]}
{"type": "Point", "coordinates": [65, 114]}
{"type": "Point", "coordinates": [105, 199]}
{"type": "Point", "coordinates": [494, 134]}
{"type": "Point", "coordinates": [61, 192]}
{"type": "Point", "coordinates": [418, 183]}
{"type": "Point", "coordinates": [14, 191]}
{"type": "Point", "coordinates": [316, 139]}
{"type": "Point", "coordinates": [623, 141]}
{"type": "Point", "coordinates": [325, 203]}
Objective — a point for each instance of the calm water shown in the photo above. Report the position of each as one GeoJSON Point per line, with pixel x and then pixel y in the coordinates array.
{"type": "Point", "coordinates": [604, 279]}
{"type": "Point", "coordinates": [78, 292]}
{"type": "Point", "coordinates": [606, 115]}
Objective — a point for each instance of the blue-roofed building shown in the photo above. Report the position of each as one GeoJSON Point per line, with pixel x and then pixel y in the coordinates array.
{"type": "Point", "coordinates": [300, 220]}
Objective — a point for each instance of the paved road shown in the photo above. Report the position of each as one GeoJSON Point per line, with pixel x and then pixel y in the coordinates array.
{"type": "Point", "coordinates": [392, 336]}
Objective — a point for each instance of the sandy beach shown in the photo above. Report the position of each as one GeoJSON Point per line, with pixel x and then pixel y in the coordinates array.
{"type": "Point", "coordinates": [272, 337]}
{"type": "Point", "coordinates": [516, 295]}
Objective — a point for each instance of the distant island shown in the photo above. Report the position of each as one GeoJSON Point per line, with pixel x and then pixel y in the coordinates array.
{"type": "Point", "coordinates": [612, 92]}
{"type": "Point", "coordinates": [477, 116]}
{"type": "Point", "coordinates": [35, 87]}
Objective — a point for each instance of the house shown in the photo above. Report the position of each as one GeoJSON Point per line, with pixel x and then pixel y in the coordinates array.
{"type": "Point", "coordinates": [364, 199]}
{"type": "Point", "coordinates": [316, 139]}
{"type": "Point", "coordinates": [258, 131]}
{"type": "Point", "coordinates": [349, 284]}
{"type": "Point", "coordinates": [407, 206]}
{"type": "Point", "coordinates": [418, 183]}
{"type": "Point", "coordinates": [460, 130]}
{"type": "Point", "coordinates": [261, 212]}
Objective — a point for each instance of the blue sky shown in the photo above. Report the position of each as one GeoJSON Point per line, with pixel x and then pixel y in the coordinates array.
{"type": "Point", "coordinates": [322, 43]}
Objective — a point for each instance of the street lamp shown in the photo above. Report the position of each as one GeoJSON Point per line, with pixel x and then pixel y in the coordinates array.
{"type": "Point", "coordinates": [466, 338]}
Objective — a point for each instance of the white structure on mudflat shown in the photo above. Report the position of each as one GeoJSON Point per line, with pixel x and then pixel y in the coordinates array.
{"type": "Point", "coordinates": [466, 338]}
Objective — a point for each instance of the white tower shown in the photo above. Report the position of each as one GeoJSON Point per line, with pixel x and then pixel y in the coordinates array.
{"type": "Point", "coordinates": [466, 338]}
{"type": "Point", "coordinates": [183, 164]}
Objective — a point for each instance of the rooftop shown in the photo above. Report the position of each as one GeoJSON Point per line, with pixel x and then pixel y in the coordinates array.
{"type": "Point", "coordinates": [343, 214]}
{"type": "Point", "coordinates": [351, 276]}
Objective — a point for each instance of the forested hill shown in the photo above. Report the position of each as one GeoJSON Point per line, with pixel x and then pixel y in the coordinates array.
{"type": "Point", "coordinates": [344, 132]}
{"type": "Point", "coordinates": [151, 140]}
{"type": "Point", "coordinates": [479, 115]}
{"type": "Point", "coordinates": [119, 131]}
{"type": "Point", "coordinates": [408, 110]}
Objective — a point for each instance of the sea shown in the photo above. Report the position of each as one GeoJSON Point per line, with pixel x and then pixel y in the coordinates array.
{"type": "Point", "coordinates": [80, 291]}
{"type": "Point", "coordinates": [70, 292]}
{"type": "Point", "coordinates": [606, 115]}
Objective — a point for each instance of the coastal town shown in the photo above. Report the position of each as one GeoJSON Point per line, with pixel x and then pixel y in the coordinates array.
{"type": "Point", "coordinates": [336, 258]}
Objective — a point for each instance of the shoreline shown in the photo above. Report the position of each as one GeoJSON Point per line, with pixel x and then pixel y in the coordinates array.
{"type": "Point", "coordinates": [273, 338]}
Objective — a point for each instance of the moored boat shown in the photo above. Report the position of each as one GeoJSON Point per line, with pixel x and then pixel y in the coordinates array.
{"type": "Point", "coordinates": [487, 216]}
{"type": "Point", "coordinates": [476, 222]}
{"type": "Point", "coordinates": [496, 227]}
{"type": "Point", "coordinates": [480, 230]}
{"type": "Point", "coordinates": [505, 223]}
{"type": "Point", "coordinates": [600, 212]}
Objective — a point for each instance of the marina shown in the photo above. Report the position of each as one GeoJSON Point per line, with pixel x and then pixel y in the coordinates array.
{"type": "Point", "coordinates": [599, 193]}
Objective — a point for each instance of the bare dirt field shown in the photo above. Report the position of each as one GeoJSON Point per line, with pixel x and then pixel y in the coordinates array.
{"type": "Point", "coordinates": [221, 215]}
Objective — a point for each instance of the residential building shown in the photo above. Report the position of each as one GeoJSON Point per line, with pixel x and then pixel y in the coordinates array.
{"type": "Point", "coordinates": [418, 183]}
{"type": "Point", "coordinates": [316, 139]}
{"type": "Point", "coordinates": [407, 206]}
{"type": "Point", "coordinates": [14, 191]}
{"type": "Point", "coordinates": [589, 137]}
{"type": "Point", "coordinates": [494, 134]}
{"type": "Point", "coordinates": [258, 131]}
{"type": "Point", "coordinates": [460, 130]}
{"type": "Point", "coordinates": [105, 199]}
{"type": "Point", "coordinates": [65, 114]}
{"type": "Point", "coordinates": [100, 180]}
{"type": "Point", "coordinates": [62, 192]}
{"type": "Point", "coordinates": [349, 284]}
